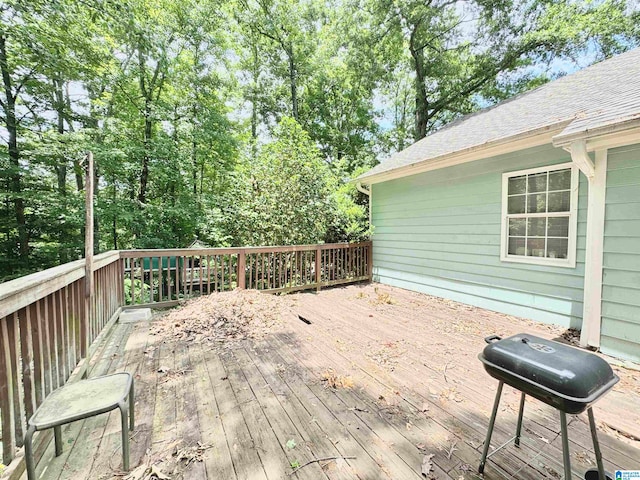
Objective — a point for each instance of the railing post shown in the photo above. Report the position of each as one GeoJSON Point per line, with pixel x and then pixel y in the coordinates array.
{"type": "Point", "coordinates": [242, 263]}
{"type": "Point", "coordinates": [318, 266]}
{"type": "Point", "coordinates": [120, 276]}
{"type": "Point", "coordinates": [88, 256]}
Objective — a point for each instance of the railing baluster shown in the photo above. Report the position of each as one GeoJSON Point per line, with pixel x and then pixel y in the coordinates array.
{"type": "Point", "coordinates": [52, 337]}
{"type": "Point", "coordinates": [15, 353]}
{"type": "Point", "coordinates": [68, 330]}
{"type": "Point", "coordinates": [26, 349]}
{"type": "Point", "coordinates": [61, 343]}
{"type": "Point", "coordinates": [7, 413]}
{"type": "Point", "coordinates": [208, 274]}
{"type": "Point", "coordinates": [36, 342]}
{"type": "Point", "coordinates": [223, 268]}
{"type": "Point", "coordinates": [73, 319]}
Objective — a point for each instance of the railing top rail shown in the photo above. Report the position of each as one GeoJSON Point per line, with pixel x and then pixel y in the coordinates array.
{"type": "Point", "coordinates": [168, 252]}
{"type": "Point", "coordinates": [23, 291]}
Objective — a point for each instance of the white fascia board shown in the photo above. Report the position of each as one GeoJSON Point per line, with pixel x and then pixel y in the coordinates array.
{"type": "Point", "coordinates": [534, 138]}
{"type": "Point", "coordinates": [606, 137]}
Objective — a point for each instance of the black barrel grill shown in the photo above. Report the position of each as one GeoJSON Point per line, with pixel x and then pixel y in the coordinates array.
{"type": "Point", "coordinates": [568, 379]}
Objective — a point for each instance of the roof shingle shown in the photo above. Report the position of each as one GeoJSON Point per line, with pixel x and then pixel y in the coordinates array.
{"type": "Point", "coordinates": [603, 94]}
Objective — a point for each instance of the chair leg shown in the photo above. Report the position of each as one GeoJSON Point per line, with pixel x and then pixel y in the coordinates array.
{"type": "Point", "coordinates": [492, 422]}
{"type": "Point", "coordinates": [520, 414]}
{"type": "Point", "coordinates": [131, 407]}
{"type": "Point", "coordinates": [57, 434]}
{"type": "Point", "coordinates": [124, 416]}
{"type": "Point", "coordinates": [28, 453]}
{"type": "Point", "coordinates": [566, 456]}
{"type": "Point", "coordinates": [596, 445]}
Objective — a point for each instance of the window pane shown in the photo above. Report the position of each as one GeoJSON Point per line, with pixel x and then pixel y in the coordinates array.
{"type": "Point", "coordinates": [537, 182]}
{"type": "Point", "coordinates": [517, 185]}
{"type": "Point", "coordinates": [536, 203]}
{"type": "Point", "coordinates": [535, 247]}
{"type": "Point", "coordinates": [560, 180]}
{"type": "Point", "coordinates": [516, 204]}
{"type": "Point", "coordinates": [516, 246]}
{"type": "Point", "coordinates": [559, 201]}
{"type": "Point", "coordinates": [517, 227]}
{"type": "Point", "coordinates": [557, 247]}
{"type": "Point", "coordinates": [536, 227]}
{"type": "Point", "coordinates": [558, 227]}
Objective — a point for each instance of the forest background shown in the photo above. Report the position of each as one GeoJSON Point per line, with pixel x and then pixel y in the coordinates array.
{"type": "Point", "coordinates": [241, 122]}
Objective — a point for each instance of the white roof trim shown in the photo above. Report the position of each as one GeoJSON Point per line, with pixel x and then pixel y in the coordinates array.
{"type": "Point", "coordinates": [608, 136]}
{"type": "Point", "coordinates": [532, 138]}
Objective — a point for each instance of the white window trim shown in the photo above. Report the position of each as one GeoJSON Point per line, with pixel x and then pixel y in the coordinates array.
{"type": "Point", "coordinates": [570, 261]}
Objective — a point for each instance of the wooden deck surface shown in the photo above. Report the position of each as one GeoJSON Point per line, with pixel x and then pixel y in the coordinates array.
{"type": "Point", "coordinates": [255, 410]}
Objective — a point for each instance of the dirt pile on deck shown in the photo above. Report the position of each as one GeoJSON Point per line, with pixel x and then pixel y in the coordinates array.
{"type": "Point", "coordinates": [223, 317]}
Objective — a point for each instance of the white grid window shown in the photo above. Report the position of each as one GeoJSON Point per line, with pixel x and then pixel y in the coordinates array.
{"type": "Point", "coordinates": [539, 215]}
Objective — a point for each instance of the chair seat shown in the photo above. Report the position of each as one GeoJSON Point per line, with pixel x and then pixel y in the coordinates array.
{"type": "Point", "coordinates": [82, 399]}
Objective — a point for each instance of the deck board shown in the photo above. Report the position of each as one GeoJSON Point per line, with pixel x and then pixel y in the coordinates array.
{"type": "Point", "coordinates": [217, 460]}
{"type": "Point", "coordinates": [418, 389]}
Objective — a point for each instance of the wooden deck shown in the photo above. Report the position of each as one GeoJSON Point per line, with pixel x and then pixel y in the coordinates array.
{"type": "Point", "coordinates": [256, 409]}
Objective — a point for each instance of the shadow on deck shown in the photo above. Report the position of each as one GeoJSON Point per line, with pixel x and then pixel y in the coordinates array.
{"type": "Point", "coordinates": [257, 408]}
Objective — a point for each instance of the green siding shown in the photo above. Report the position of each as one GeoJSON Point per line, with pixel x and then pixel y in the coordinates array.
{"type": "Point", "coordinates": [439, 232]}
{"type": "Point", "coordinates": [621, 263]}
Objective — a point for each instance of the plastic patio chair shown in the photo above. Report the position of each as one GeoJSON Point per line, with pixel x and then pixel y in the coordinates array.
{"type": "Point", "coordinates": [80, 400]}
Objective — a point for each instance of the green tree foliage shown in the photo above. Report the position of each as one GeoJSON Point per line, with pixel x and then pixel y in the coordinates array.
{"type": "Point", "coordinates": [241, 122]}
{"type": "Point", "coordinates": [284, 194]}
{"type": "Point", "coordinates": [464, 55]}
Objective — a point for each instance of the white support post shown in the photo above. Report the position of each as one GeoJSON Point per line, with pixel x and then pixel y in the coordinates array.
{"type": "Point", "coordinates": [591, 317]}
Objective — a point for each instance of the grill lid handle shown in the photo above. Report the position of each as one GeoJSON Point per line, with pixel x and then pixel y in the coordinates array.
{"type": "Point", "coordinates": [492, 338]}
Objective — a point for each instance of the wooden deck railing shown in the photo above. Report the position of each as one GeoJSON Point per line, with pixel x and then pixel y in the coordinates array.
{"type": "Point", "coordinates": [47, 325]}
{"type": "Point", "coordinates": [164, 277]}
{"type": "Point", "coordinates": [51, 321]}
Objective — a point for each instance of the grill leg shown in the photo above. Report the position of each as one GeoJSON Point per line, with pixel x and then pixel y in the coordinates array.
{"type": "Point", "coordinates": [492, 422]}
{"type": "Point", "coordinates": [566, 457]}
{"type": "Point", "coordinates": [596, 445]}
{"type": "Point", "coordinates": [519, 428]}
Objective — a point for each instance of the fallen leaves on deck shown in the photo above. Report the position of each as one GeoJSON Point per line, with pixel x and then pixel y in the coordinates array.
{"type": "Point", "coordinates": [332, 380]}
{"type": "Point", "coordinates": [194, 453]}
{"type": "Point", "coordinates": [223, 317]}
{"type": "Point", "coordinates": [386, 355]}
{"type": "Point", "coordinates": [147, 472]}
{"type": "Point", "coordinates": [174, 462]}
{"type": "Point", "coordinates": [427, 465]}
{"type": "Point", "coordinates": [382, 298]}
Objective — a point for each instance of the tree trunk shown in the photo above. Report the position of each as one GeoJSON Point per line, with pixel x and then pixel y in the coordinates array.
{"type": "Point", "coordinates": [254, 102]}
{"type": "Point", "coordinates": [293, 81]}
{"type": "Point", "coordinates": [114, 223]}
{"type": "Point", "coordinates": [61, 167]}
{"type": "Point", "coordinates": [422, 104]}
{"type": "Point", "coordinates": [144, 174]}
{"type": "Point", "coordinates": [194, 147]}
{"type": "Point", "coordinates": [59, 100]}
{"type": "Point", "coordinates": [15, 182]}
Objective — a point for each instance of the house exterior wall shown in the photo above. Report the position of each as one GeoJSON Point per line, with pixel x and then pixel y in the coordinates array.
{"type": "Point", "coordinates": [620, 330]}
{"type": "Point", "coordinates": [439, 233]}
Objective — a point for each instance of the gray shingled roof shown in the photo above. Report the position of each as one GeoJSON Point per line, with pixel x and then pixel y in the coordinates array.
{"type": "Point", "coordinates": [603, 94]}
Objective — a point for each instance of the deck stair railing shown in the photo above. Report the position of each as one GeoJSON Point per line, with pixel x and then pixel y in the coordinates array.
{"type": "Point", "coordinates": [51, 323]}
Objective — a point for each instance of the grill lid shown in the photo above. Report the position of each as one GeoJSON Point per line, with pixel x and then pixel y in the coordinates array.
{"type": "Point", "coordinates": [560, 369]}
